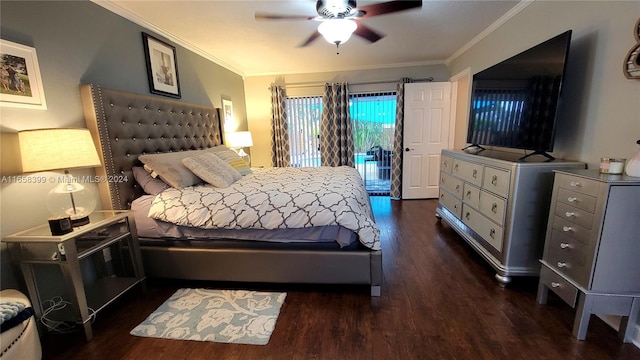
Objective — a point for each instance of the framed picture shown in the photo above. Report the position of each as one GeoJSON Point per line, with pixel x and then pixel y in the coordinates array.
{"type": "Point", "coordinates": [162, 67]}
{"type": "Point", "coordinates": [227, 113]}
{"type": "Point", "coordinates": [20, 73]}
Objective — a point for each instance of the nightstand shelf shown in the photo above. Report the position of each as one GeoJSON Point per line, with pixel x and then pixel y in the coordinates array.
{"type": "Point", "coordinates": [108, 246]}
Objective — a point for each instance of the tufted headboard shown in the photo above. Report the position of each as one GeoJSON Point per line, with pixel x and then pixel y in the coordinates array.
{"type": "Point", "coordinates": [125, 125]}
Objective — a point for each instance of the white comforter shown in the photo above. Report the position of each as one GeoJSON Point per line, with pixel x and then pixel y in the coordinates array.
{"type": "Point", "coordinates": [275, 198]}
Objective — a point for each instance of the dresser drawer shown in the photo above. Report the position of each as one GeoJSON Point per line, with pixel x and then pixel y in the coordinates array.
{"type": "Point", "coordinates": [492, 207]}
{"type": "Point", "coordinates": [559, 286]}
{"type": "Point", "coordinates": [467, 171]}
{"type": "Point", "coordinates": [446, 164]}
{"type": "Point", "coordinates": [572, 230]}
{"type": "Point", "coordinates": [573, 249]}
{"type": "Point", "coordinates": [574, 215]}
{"type": "Point", "coordinates": [484, 227]}
{"type": "Point", "coordinates": [471, 195]}
{"type": "Point", "coordinates": [450, 202]}
{"type": "Point", "coordinates": [569, 259]}
{"type": "Point", "coordinates": [576, 199]}
{"type": "Point", "coordinates": [581, 185]}
{"type": "Point", "coordinates": [496, 181]}
{"type": "Point", "coordinates": [452, 184]}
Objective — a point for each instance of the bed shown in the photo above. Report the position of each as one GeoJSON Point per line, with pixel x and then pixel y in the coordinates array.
{"type": "Point", "coordinates": [126, 126]}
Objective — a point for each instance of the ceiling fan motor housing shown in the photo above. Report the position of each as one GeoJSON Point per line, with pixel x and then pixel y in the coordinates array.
{"type": "Point", "coordinates": [335, 8]}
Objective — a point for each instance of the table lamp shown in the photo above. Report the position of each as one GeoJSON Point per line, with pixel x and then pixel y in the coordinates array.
{"type": "Point", "coordinates": [56, 149]}
{"type": "Point", "coordinates": [238, 141]}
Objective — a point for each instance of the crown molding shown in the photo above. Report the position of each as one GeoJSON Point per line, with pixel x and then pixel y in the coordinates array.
{"type": "Point", "coordinates": [503, 19]}
{"type": "Point", "coordinates": [118, 10]}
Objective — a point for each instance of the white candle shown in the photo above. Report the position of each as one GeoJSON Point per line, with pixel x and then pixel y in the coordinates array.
{"type": "Point", "coordinates": [616, 166]}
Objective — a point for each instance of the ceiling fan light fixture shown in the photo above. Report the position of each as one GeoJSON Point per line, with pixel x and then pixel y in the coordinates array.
{"type": "Point", "coordinates": [337, 31]}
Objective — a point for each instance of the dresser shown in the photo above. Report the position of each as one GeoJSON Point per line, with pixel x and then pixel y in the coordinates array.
{"type": "Point", "coordinates": [499, 205]}
{"type": "Point", "coordinates": [592, 248]}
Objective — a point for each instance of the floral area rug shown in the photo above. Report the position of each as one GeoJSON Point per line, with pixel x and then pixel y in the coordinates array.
{"type": "Point", "coordinates": [227, 316]}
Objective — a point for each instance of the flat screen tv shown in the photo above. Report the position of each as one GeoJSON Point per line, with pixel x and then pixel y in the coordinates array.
{"type": "Point", "coordinates": [514, 104]}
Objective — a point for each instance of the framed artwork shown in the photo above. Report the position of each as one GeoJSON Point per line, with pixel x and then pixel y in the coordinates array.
{"type": "Point", "coordinates": [162, 67]}
{"type": "Point", "coordinates": [20, 73]}
{"type": "Point", "coordinates": [227, 113]}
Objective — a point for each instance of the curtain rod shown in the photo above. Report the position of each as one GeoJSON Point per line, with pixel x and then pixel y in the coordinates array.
{"type": "Point", "coordinates": [318, 84]}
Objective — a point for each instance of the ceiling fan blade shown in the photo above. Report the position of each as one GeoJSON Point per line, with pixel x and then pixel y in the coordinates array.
{"type": "Point", "coordinates": [311, 38]}
{"type": "Point", "coordinates": [267, 16]}
{"type": "Point", "coordinates": [387, 8]}
{"type": "Point", "coordinates": [367, 33]}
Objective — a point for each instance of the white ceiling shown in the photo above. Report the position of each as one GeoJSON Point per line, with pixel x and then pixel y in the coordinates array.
{"type": "Point", "coordinates": [227, 33]}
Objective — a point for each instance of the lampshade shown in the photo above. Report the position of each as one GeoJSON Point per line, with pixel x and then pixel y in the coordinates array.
{"type": "Point", "coordinates": [55, 149]}
{"type": "Point", "coordinates": [62, 149]}
{"type": "Point", "coordinates": [337, 31]}
{"type": "Point", "coordinates": [239, 139]}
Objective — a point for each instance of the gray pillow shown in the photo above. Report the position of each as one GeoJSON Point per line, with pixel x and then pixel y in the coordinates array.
{"type": "Point", "coordinates": [169, 167]}
{"type": "Point", "coordinates": [150, 185]}
{"type": "Point", "coordinates": [212, 169]}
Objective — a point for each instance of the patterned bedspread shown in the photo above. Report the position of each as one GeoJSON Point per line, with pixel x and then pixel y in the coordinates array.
{"type": "Point", "coordinates": [275, 198]}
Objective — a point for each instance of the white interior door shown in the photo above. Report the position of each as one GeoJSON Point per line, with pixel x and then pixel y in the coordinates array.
{"type": "Point", "coordinates": [427, 108]}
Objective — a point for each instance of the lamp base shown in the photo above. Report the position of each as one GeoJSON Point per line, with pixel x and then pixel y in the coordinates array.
{"type": "Point", "coordinates": [80, 221]}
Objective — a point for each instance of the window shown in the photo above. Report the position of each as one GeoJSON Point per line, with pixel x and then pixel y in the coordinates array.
{"type": "Point", "coordinates": [373, 116]}
{"type": "Point", "coordinates": [304, 115]}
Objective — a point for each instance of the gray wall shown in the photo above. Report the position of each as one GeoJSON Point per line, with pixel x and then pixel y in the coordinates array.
{"type": "Point", "coordinates": [80, 42]}
{"type": "Point", "coordinates": [601, 115]}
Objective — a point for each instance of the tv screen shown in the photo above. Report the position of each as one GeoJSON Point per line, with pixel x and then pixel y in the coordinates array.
{"type": "Point", "coordinates": [514, 103]}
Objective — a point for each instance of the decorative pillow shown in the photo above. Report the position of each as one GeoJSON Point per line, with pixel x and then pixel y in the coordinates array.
{"type": "Point", "coordinates": [170, 168]}
{"type": "Point", "coordinates": [13, 313]}
{"type": "Point", "coordinates": [236, 162]}
{"type": "Point", "coordinates": [212, 169]}
{"type": "Point", "coordinates": [150, 185]}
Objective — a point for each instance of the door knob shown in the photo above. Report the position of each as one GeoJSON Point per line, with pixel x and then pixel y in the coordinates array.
{"type": "Point", "coordinates": [407, 149]}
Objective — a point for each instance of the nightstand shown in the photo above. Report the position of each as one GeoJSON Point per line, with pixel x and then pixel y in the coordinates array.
{"type": "Point", "coordinates": [99, 262]}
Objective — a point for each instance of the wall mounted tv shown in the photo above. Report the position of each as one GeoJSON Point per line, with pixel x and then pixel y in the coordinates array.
{"type": "Point", "coordinates": [514, 103]}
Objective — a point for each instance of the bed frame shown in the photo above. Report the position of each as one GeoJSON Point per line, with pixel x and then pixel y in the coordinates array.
{"type": "Point", "coordinates": [125, 125]}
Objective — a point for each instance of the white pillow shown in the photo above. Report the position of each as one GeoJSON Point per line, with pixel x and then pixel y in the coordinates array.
{"type": "Point", "coordinates": [212, 169]}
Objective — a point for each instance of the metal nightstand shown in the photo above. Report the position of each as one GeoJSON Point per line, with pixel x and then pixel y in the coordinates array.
{"type": "Point", "coordinates": [108, 244]}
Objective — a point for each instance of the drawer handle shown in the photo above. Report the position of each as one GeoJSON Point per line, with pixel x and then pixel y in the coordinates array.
{"type": "Point", "coordinates": [567, 228]}
{"type": "Point", "coordinates": [458, 187]}
{"type": "Point", "coordinates": [442, 180]}
{"type": "Point", "coordinates": [494, 180]}
{"type": "Point", "coordinates": [564, 246]}
{"type": "Point", "coordinates": [455, 167]}
{"type": "Point", "coordinates": [441, 196]}
{"type": "Point", "coordinates": [475, 173]}
{"type": "Point", "coordinates": [572, 199]}
{"type": "Point", "coordinates": [575, 184]}
{"type": "Point", "coordinates": [569, 214]}
{"type": "Point", "coordinates": [562, 264]}
{"type": "Point", "coordinates": [494, 208]}
{"type": "Point", "coordinates": [467, 215]}
{"type": "Point", "coordinates": [469, 194]}
{"type": "Point", "coordinates": [555, 284]}
{"type": "Point", "coordinates": [455, 206]}
{"type": "Point", "coordinates": [492, 233]}
{"type": "Point", "coordinates": [445, 163]}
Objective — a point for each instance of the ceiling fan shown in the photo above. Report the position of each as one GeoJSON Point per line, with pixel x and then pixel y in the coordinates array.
{"type": "Point", "coordinates": [341, 18]}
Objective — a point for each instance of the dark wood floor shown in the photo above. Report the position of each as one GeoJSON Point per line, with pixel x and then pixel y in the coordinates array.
{"type": "Point", "coordinates": [439, 301]}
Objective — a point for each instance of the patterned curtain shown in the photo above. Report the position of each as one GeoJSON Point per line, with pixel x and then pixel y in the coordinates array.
{"type": "Point", "coordinates": [396, 163]}
{"type": "Point", "coordinates": [280, 148]}
{"type": "Point", "coordinates": [336, 142]}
